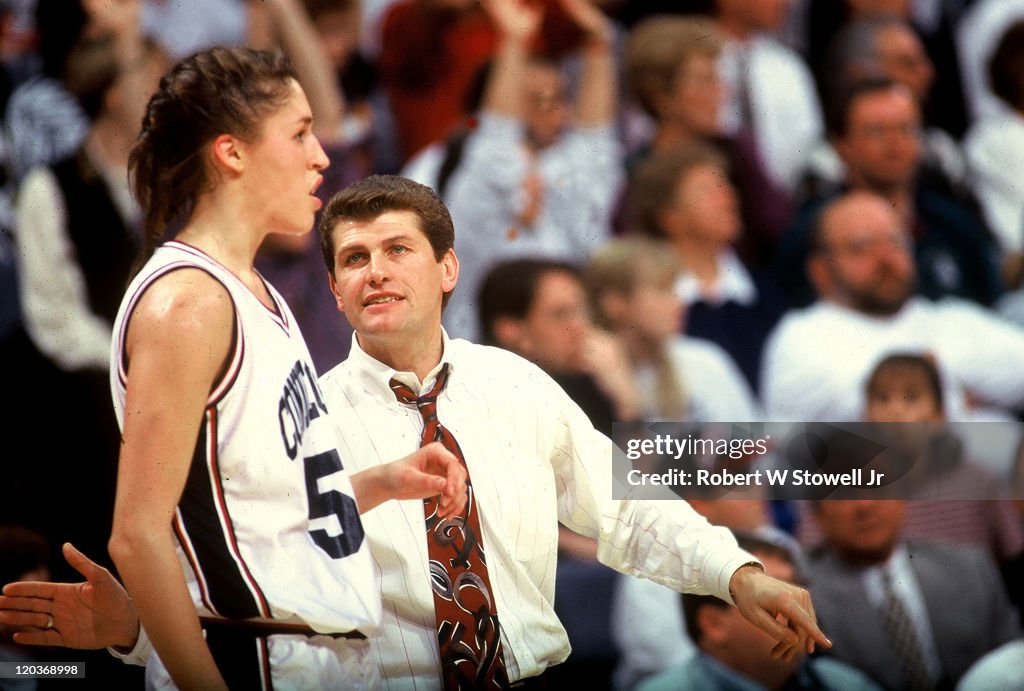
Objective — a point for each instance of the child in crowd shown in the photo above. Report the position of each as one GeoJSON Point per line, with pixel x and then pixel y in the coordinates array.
{"type": "Point", "coordinates": [953, 500]}
{"type": "Point", "coordinates": [631, 286]}
{"type": "Point", "coordinates": [956, 500]}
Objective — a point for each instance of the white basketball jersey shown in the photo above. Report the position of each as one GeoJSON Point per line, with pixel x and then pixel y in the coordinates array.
{"type": "Point", "coordinates": [267, 524]}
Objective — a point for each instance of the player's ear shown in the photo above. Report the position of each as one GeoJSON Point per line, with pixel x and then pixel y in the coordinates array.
{"type": "Point", "coordinates": [226, 154]}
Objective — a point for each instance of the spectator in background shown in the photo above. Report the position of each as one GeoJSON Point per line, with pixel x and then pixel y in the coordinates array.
{"type": "Point", "coordinates": [886, 46]}
{"type": "Point", "coordinates": [818, 359]}
{"type": "Point", "coordinates": [15, 346]}
{"type": "Point", "coordinates": [183, 27]}
{"type": "Point", "coordinates": [935, 24]}
{"type": "Point", "coordinates": [631, 285]}
{"type": "Point", "coordinates": [671, 72]}
{"type": "Point", "coordinates": [435, 164]}
{"type": "Point", "coordinates": [540, 174]}
{"type": "Point", "coordinates": [78, 235]}
{"type": "Point", "coordinates": [953, 499]}
{"type": "Point", "coordinates": [733, 654]}
{"type": "Point", "coordinates": [43, 121]}
{"type": "Point", "coordinates": [910, 615]}
{"type": "Point", "coordinates": [983, 23]}
{"type": "Point", "coordinates": [875, 126]}
{"type": "Point", "coordinates": [770, 90]}
{"type": "Point", "coordinates": [337, 24]}
{"type": "Point", "coordinates": [538, 309]}
{"type": "Point", "coordinates": [684, 196]}
{"type": "Point", "coordinates": [995, 151]}
{"type": "Point", "coordinates": [430, 52]}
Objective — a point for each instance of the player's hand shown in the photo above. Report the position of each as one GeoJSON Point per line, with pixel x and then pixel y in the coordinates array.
{"type": "Point", "coordinates": [782, 610]}
{"type": "Point", "coordinates": [97, 613]}
{"type": "Point", "coordinates": [432, 471]}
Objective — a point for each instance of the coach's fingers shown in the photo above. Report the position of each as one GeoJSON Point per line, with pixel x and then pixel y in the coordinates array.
{"type": "Point", "coordinates": [29, 589]}
{"type": "Point", "coordinates": [50, 637]}
{"type": "Point", "coordinates": [802, 619]}
{"type": "Point", "coordinates": [442, 462]}
{"type": "Point", "coordinates": [92, 571]}
{"type": "Point", "coordinates": [14, 607]}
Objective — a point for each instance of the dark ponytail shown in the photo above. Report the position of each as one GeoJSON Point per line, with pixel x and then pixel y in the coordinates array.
{"type": "Point", "coordinates": [214, 92]}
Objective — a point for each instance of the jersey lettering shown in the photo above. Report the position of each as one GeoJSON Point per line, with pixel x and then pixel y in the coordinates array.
{"type": "Point", "coordinates": [300, 404]}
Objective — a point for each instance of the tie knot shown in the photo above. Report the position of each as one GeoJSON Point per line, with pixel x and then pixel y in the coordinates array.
{"type": "Point", "coordinates": [406, 395]}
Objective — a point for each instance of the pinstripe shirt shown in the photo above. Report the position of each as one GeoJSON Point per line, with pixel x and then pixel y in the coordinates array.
{"type": "Point", "coordinates": [534, 460]}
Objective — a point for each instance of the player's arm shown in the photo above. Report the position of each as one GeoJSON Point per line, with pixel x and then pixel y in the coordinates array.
{"type": "Point", "coordinates": [432, 470]}
{"type": "Point", "coordinates": [177, 343]}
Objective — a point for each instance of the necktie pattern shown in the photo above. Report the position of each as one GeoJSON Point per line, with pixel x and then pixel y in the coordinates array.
{"type": "Point", "coordinates": [903, 637]}
{"type": "Point", "coordinates": [467, 618]}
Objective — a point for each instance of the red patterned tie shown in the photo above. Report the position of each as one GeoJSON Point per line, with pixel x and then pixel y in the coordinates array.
{"type": "Point", "coordinates": [467, 616]}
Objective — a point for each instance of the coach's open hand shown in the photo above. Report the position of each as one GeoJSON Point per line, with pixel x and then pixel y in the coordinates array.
{"type": "Point", "coordinates": [782, 610]}
{"type": "Point", "coordinates": [94, 614]}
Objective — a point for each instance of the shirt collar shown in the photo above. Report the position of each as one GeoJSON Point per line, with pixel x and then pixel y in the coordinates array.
{"type": "Point", "coordinates": [375, 376]}
{"type": "Point", "coordinates": [734, 284]}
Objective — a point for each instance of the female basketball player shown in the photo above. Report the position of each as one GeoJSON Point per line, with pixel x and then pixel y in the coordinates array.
{"type": "Point", "coordinates": [229, 460]}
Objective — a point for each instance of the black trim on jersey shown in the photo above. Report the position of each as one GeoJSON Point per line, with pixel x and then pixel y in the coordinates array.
{"type": "Point", "coordinates": [243, 659]}
{"type": "Point", "coordinates": [227, 587]}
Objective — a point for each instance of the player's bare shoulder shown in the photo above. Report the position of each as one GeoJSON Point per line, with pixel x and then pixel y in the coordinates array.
{"type": "Point", "coordinates": [186, 308]}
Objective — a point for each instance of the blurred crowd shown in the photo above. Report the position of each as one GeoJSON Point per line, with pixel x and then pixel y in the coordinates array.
{"type": "Point", "coordinates": [717, 210]}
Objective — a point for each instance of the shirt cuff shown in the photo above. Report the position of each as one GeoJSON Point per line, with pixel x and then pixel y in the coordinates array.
{"type": "Point", "coordinates": [139, 654]}
{"type": "Point", "coordinates": [720, 569]}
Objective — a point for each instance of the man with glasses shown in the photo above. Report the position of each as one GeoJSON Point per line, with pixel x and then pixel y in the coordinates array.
{"type": "Point", "coordinates": [864, 275]}
{"type": "Point", "coordinates": [875, 127]}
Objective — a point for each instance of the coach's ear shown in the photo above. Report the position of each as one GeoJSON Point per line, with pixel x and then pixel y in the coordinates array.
{"type": "Point", "coordinates": [450, 267]}
{"type": "Point", "coordinates": [337, 294]}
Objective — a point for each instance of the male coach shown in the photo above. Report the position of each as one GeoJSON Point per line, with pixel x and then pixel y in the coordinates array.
{"type": "Point", "coordinates": [533, 459]}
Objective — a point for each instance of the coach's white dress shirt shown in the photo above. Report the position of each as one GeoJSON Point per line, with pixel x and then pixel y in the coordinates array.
{"type": "Point", "coordinates": [534, 460]}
